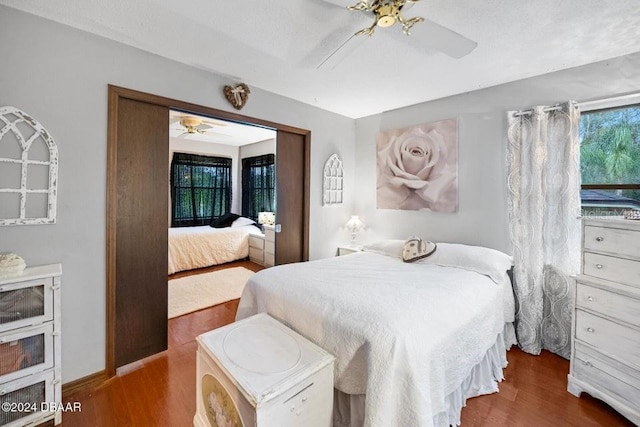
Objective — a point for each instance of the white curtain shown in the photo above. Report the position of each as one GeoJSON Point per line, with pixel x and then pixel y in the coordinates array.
{"type": "Point", "coordinates": [543, 164]}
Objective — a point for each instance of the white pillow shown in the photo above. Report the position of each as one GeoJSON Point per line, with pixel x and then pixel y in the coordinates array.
{"type": "Point", "coordinates": [486, 261]}
{"type": "Point", "coordinates": [242, 221]}
{"type": "Point", "coordinates": [392, 248]}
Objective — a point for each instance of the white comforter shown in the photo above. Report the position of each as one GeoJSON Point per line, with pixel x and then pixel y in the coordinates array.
{"type": "Point", "coordinates": [406, 335]}
{"type": "Point", "coordinates": [197, 247]}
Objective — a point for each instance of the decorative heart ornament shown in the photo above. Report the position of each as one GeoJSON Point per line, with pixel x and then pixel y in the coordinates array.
{"type": "Point", "coordinates": [237, 95]}
{"type": "Point", "coordinates": [415, 248]}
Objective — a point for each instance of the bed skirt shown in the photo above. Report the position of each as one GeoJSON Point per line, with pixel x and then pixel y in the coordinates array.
{"type": "Point", "coordinates": [348, 410]}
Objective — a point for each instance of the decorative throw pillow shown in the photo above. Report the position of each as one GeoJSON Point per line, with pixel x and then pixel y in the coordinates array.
{"type": "Point", "coordinates": [415, 248]}
{"type": "Point", "coordinates": [225, 220]}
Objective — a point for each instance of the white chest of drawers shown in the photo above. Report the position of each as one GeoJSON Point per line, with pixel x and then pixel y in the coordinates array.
{"type": "Point", "coordinates": [269, 245]}
{"type": "Point", "coordinates": [256, 248]}
{"type": "Point", "coordinates": [605, 357]}
{"type": "Point", "coordinates": [262, 247]}
{"type": "Point", "coordinates": [30, 389]}
{"type": "Point", "coordinates": [259, 373]}
{"type": "Point", "coordinates": [346, 250]}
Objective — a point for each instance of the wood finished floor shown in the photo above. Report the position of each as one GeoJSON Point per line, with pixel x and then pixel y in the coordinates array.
{"type": "Point", "coordinates": [160, 390]}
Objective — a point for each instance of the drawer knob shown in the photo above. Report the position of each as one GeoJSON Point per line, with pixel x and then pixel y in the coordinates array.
{"type": "Point", "coordinates": [590, 330]}
{"type": "Point", "coordinates": [588, 364]}
{"type": "Point", "coordinates": [304, 399]}
{"type": "Point", "coordinates": [599, 266]}
{"type": "Point", "coordinates": [589, 298]}
{"type": "Point", "coordinates": [599, 239]}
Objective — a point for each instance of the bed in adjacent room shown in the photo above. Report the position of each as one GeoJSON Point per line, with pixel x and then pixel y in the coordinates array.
{"type": "Point", "coordinates": [412, 341]}
{"type": "Point", "coordinates": [197, 247]}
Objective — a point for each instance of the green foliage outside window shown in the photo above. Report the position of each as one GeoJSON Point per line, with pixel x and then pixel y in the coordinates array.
{"type": "Point", "coordinates": [610, 160]}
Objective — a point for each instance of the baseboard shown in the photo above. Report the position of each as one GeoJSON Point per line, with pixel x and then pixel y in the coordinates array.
{"type": "Point", "coordinates": [84, 383]}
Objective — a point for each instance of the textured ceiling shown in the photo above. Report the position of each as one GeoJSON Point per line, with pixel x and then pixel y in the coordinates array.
{"type": "Point", "coordinates": [276, 44]}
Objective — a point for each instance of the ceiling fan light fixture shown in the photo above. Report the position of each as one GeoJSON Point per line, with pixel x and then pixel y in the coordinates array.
{"type": "Point", "coordinates": [190, 122]}
{"type": "Point", "coordinates": [386, 15]}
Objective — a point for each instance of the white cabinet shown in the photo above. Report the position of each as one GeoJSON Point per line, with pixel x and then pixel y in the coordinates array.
{"type": "Point", "coordinates": [269, 245]}
{"type": "Point", "coordinates": [262, 247]}
{"type": "Point", "coordinates": [346, 250]}
{"type": "Point", "coordinates": [257, 372]}
{"type": "Point", "coordinates": [30, 378]}
{"type": "Point", "coordinates": [605, 357]}
{"type": "Point", "coordinates": [256, 248]}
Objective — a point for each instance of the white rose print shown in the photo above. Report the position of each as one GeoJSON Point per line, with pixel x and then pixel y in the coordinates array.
{"type": "Point", "coordinates": [418, 167]}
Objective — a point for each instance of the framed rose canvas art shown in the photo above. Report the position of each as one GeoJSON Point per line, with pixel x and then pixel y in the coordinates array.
{"type": "Point", "coordinates": [418, 167]}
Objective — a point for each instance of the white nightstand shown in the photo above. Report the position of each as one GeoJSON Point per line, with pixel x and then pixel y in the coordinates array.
{"type": "Point", "coordinates": [346, 250]}
{"type": "Point", "coordinates": [256, 248]}
{"type": "Point", "coordinates": [269, 245]}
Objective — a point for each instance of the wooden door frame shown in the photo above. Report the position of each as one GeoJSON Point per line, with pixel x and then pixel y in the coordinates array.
{"type": "Point", "coordinates": [115, 94]}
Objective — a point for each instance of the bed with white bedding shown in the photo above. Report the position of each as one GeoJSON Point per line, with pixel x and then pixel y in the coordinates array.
{"type": "Point", "coordinates": [197, 247]}
{"type": "Point", "coordinates": [411, 341]}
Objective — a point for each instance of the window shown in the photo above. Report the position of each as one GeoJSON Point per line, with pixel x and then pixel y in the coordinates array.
{"type": "Point", "coordinates": [610, 161]}
{"type": "Point", "coordinates": [258, 185]}
{"type": "Point", "coordinates": [200, 189]}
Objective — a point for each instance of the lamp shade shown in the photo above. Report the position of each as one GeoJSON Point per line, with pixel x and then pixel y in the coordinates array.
{"type": "Point", "coordinates": [354, 224]}
{"type": "Point", "coordinates": [266, 218]}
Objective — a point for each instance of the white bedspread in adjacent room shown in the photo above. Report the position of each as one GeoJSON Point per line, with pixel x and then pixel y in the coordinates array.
{"type": "Point", "coordinates": [406, 335]}
{"type": "Point", "coordinates": [197, 247]}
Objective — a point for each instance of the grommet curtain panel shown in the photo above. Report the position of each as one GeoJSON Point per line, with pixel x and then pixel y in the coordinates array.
{"type": "Point", "coordinates": [258, 185]}
{"type": "Point", "coordinates": [543, 181]}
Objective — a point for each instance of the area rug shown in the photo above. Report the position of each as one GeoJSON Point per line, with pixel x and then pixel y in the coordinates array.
{"type": "Point", "coordinates": [193, 293]}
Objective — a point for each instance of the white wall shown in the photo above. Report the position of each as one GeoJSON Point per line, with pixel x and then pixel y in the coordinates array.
{"type": "Point", "coordinates": [482, 215]}
{"type": "Point", "coordinates": [258, 148]}
{"type": "Point", "coordinates": [211, 149]}
{"type": "Point", "coordinates": [59, 75]}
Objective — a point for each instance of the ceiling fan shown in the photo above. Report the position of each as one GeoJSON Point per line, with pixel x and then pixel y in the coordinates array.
{"type": "Point", "coordinates": [385, 14]}
{"type": "Point", "coordinates": [194, 125]}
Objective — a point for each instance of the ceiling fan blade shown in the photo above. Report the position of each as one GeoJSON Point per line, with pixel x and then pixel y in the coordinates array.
{"type": "Point", "coordinates": [216, 134]}
{"type": "Point", "coordinates": [443, 39]}
{"type": "Point", "coordinates": [203, 126]}
{"type": "Point", "coordinates": [342, 51]}
{"type": "Point", "coordinates": [183, 135]}
{"type": "Point", "coordinates": [408, 5]}
{"type": "Point", "coordinates": [212, 123]}
{"type": "Point", "coordinates": [341, 3]}
{"type": "Point", "coordinates": [339, 25]}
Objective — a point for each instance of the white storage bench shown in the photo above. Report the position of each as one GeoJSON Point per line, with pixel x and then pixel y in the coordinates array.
{"type": "Point", "coordinates": [258, 372]}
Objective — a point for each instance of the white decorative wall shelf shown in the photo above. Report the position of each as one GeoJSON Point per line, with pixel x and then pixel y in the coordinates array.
{"type": "Point", "coordinates": [28, 170]}
{"type": "Point", "coordinates": [333, 181]}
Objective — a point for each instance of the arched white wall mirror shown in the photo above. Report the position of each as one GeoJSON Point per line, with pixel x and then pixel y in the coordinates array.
{"type": "Point", "coordinates": [28, 170]}
{"type": "Point", "coordinates": [332, 181]}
